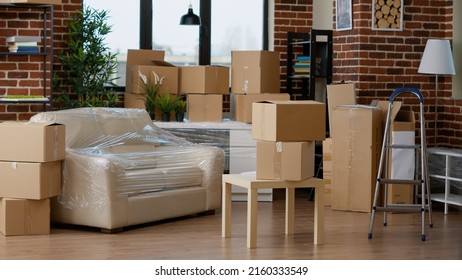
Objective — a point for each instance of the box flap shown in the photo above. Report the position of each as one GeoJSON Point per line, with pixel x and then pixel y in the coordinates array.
{"type": "Point", "coordinates": [142, 57]}
{"type": "Point", "coordinates": [383, 105]}
{"type": "Point", "coordinates": [161, 63]}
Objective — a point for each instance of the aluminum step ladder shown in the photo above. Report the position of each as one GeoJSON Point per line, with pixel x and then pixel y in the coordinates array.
{"type": "Point", "coordinates": [421, 178]}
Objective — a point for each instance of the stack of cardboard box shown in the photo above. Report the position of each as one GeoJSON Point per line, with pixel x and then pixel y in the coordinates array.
{"type": "Point", "coordinates": [255, 76]}
{"type": "Point", "coordinates": [148, 62]}
{"type": "Point", "coordinates": [356, 133]}
{"type": "Point", "coordinates": [31, 157]}
{"type": "Point", "coordinates": [205, 87]}
{"type": "Point", "coordinates": [286, 132]}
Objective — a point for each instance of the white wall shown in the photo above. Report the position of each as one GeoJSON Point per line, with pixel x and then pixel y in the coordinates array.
{"type": "Point", "coordinates": [323, 14]}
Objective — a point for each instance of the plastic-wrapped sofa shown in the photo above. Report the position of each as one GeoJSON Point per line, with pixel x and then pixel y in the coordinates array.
{"type": "Point", "coordinates": [122, 170]}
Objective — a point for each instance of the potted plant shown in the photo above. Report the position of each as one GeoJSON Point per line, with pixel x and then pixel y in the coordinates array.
{"type": "Point", "coordinates": [88, 66]}
{"type": "Point", "coordinates": [180, 110]}
{"type": "Point", "coordinates": [166, 104]}
{"type": "Point", "coordinates": [151, 86]}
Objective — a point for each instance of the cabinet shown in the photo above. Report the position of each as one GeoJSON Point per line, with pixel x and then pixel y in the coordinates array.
{"type": "Point", "coordinates": [316, 46]}
{"type": "Point", "coordinates": [445, 170]}
{"type": "Point", "coordinates": [44, 57]}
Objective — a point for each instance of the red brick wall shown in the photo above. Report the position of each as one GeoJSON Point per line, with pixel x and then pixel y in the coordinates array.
{"type": "Point", "coordinates": [290, 16]}
{"type": "Point", "coordinates": [24, 74]}
{"type": "Point", "coordinates": [381, 61]}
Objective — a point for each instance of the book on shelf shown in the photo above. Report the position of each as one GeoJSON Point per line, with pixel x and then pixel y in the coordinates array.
{"type": "Point", "coordinates": [23, 39]}
{"type": "Point", "coordinates": [24, 49]}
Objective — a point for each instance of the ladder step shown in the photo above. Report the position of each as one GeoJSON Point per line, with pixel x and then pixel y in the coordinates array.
{"type": "Point", "coordinates": [400, 146]}
{"type": "Point", "coordinates": [401, 208]}
{"type": "Point", "coordinates": [400, 181]}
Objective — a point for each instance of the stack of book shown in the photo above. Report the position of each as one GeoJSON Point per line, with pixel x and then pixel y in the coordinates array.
{"type": "Point", "coordinates": [23, 44]}
{"type": "Point", "coordinates": [301, 66]}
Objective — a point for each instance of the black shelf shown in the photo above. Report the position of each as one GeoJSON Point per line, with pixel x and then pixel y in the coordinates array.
{"type": "Point", "coordinates": [47, 12]}
{"type": "Point", "coordinates": [317, 44]}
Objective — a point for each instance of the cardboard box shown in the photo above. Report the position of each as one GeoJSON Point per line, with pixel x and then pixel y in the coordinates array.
{"type": "Point", "coordinates": [30, 180]}
{"type": "Point", "coordinates": [402, 165]}
{"type": "Point", "coordinates": [356, 153]}
{"type": "Point", "coordinates": [339, 94]}
{"type": "Point", "coordinates": [204, 79]}
{"type": "Point", "coordinates": [24, 217]}
{"type": "Point", "coordinates": [32, 1]}
{"type": "Point", "coordinates": [144, 57]}
{"type": "Point", "coordinates": [168, 73]}
{"type": "Point", "coordinates": [292, 161]}
{"type": "Point", "coordinates": [255, 72]}
{"type": "Point", "coordinates": [327, 170]}
{"type": "Point", "coordinates": [32, 142]}
{"type": "Point", "coordinates": [289, 121]}
{"type": "Point", "coordinates": [241, 104]}
{"type": "Point", "coordinates": [205, 107]}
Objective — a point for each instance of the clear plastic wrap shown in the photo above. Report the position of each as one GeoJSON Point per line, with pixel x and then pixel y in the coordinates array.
{"type": "Point", "coordinates": [116, 154]}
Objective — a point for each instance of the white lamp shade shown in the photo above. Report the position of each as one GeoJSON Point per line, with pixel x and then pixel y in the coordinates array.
{"type": "Point", "coordinates": [437, 58]}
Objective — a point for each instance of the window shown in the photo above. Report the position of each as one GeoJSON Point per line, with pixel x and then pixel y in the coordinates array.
{"type": "Point", "coordinates": [232, 32]}
{"type": "Point", "coordinates": [229, 25]}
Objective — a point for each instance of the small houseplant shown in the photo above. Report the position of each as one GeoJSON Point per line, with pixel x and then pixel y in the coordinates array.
{"type": "Point", "coordinates": [180, 110]}
{"type": "Point", "coordinates": [166, 104]}
{"type": "Point", "coordinates": [151, 87]}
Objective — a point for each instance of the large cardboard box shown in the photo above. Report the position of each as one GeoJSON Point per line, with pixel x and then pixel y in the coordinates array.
{"type": "Point", "coordinates": [292, 161]}
{"type": "Point", "coordinates": [24, 217]}
{"type": "Point", "coordinates": [402, 164]}
{"type": "Point", "coordinates": [32, 1]}
{"type": "Point", "coordinates": [205, 107]}
{"type": "Point", "coordinates": [356, 154]}
{"type": "Point", "coordinates": [167, 76]}
{"type": "Point", "coordinates": [255, 72]}
{"type": "Point", "coordinates": [339, 94]}
{"type": "Point", "coordinates": [204, 79]}
{"type": "Point", "coordinates": [32, 142]}
{"type": "Point", "coordinates": [30, 180]}
{"type": "Point", "coordinates": [241, 104]}
{"type": "Point", "coordinates": [289, 121]}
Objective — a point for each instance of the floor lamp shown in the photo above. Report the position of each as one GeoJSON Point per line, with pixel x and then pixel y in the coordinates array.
{"type": "Point", "coordinates": [437, 60]}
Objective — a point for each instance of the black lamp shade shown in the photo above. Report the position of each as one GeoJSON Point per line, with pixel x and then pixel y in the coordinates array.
{"type": "Point", "coordinates": [190, 18]}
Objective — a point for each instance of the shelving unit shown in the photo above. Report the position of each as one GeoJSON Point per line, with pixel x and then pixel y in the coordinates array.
{"type": "Point", "coordinates": [317, 45]}
{"type": "Point", "coordinates": [46, 52]}
{"type": "Point", "coordinates": [451, 159]}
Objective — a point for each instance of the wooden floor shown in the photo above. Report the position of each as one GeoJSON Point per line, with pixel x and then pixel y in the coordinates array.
{"type": "Point", "coordinates": [199, 238]}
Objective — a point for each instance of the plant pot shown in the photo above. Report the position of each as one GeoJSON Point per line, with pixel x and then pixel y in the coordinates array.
{"type": "Point", "coordinates": [179, 117]}
{"type": "Point", "coordinates": [152, 115]}
{"type": "Point", "coordinates": [165, 117]}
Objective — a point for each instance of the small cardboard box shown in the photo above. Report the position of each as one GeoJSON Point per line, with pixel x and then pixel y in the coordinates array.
{"type": "Point", "coordinates": [356, 153]}
{"type": "Point", "coordinates": [292, 161]}
{"type": "Point", "coordinates": [32, 1]}
{"type": "Point", "coordinates": [339, 94]}
{"type": "Point", "coordinates": [30, 180]}
{"type": "Point", "coordinates": [255, 72]}
{"type": "Point", "coordinates": [204, 79]}
{"type": "Point", "coordinates": [241, 104]}
{"type": "Point", "coordinates": [289, 121]}
{"type": "Point", "coordinates": [32, 142]}
{"type": "Point", "coordinates": [205, 107]}
{"type": "Point", "coordinates": [168, 76]}
{"type": "Point", "coordinates": [24, 217]}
